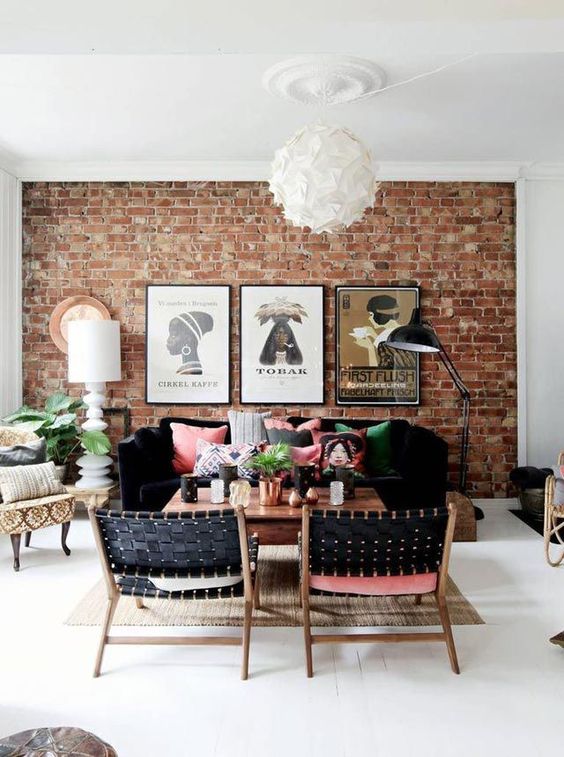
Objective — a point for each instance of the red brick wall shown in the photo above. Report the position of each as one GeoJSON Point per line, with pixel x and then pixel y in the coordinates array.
{"type": "Point", "coordinates": [454, 239]}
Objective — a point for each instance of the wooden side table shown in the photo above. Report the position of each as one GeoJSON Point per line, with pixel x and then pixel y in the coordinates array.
{"type": "Point", "coordinates": [465, 528]}
{"type": "Point", "coordinates": [93, 497]}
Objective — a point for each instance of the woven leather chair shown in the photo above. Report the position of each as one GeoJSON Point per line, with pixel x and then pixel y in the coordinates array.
{"type": "Point", "coordinates": [553, 519]}
{"type": "Point", "coordinates": [345, 552]}
{"type": "Point", "coordinates": [176, 556]}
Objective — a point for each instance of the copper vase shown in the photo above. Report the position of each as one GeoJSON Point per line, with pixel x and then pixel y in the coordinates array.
{"type": "Point", "coordinates": [270, 492]}
{"type": "Point", "coordinates": [312, 496]}
{"type": "Point", "coordinates": [295, 500]}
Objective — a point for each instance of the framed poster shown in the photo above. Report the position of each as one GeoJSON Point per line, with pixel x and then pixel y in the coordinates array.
{"type": "Point", "coordinates": [282, 345]}
{"type": "Point", "coordinates": [187, 344]}
{"type": "Point", "coordinates": [367, 371]}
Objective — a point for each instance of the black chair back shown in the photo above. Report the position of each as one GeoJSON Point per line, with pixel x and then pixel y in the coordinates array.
{"type": "Point", "coordinates": [370, 543]}
{"type": "Point", "coordinates": [172, 544]}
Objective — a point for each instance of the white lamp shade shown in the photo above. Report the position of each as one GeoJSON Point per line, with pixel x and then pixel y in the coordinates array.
{"type": "Point", "coordinates": [324, 178]}
{"type": "Point", "coordinates": [94, 351]}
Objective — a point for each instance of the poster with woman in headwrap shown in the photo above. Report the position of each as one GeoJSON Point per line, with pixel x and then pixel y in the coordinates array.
{"type": "Point", "coordinates": [281, 333]}
{"type": "Point", "coordinates": [187, 344]}
{"type": "Point", "coordinates": [368, 371]}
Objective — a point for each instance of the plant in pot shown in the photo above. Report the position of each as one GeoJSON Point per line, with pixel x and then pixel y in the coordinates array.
{"type": "Point", "coordinates": [56, 423]}
{"type": "Point", "coordinates": [270, 463]}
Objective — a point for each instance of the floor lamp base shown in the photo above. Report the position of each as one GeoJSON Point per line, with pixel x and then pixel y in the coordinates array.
{"type": "Point", "coordinates": [94, 469]}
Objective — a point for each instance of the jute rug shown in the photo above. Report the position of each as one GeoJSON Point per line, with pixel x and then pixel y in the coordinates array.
{"type": "Point", "coordinates": [280, 605]}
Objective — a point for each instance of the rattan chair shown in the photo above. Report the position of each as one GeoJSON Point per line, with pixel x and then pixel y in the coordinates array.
{"type": "Point", "coordinates": [360, 553]}
{"type": "Point", "coordinates": [553, 520]}
{"type": "Point", "coordinates": [195, 555]}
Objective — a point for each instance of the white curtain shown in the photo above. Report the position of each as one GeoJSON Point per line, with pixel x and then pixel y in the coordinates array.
{"type": "Point", "coordinates": [10, 293]}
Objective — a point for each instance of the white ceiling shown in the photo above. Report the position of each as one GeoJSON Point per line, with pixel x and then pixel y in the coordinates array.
{"type": "Point", "coordinates": [171, 80]}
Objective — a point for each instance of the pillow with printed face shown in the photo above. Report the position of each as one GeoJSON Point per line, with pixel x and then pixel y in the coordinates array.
{"type": "Point", "coordinates": [210, 456]}
{"type": "Point", "coordinates": [341, 448]}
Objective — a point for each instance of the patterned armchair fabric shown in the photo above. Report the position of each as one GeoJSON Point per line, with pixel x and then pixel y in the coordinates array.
{"type": "Point", "coordinates": [31, 514]}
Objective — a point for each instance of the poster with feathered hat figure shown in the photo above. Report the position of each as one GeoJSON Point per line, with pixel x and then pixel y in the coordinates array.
{"type": "Point", "coordinates": [187, 344]}
{"type": "Point", "coordinates": [281, 333]}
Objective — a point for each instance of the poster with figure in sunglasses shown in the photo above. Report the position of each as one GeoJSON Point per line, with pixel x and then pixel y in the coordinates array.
{"type": "Point", "coordinates": [368, 371]}
{"type": "Point", "coordinates": [187, 344]}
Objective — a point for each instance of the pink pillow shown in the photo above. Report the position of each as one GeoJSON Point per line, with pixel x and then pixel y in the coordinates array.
{"type": "Point", "coordinates": [313, 425]}
{"type": "Point", "coordinates": [184, 440]}
{"type": "Point", "coordinates": [305, 455]}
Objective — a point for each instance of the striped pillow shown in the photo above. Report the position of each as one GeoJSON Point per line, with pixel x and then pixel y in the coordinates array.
{"type": "Point", "coordinates": [21, 482]}
{"type": "Point", "coordinates": [247, 428]}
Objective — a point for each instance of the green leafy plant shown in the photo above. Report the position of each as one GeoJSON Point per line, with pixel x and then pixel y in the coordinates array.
{"type": "Point", "coordinates": [57, 424]}
{"type": "Point", "coordinates": [272, 461]}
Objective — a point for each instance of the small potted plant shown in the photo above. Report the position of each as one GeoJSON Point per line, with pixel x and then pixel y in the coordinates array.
{"type": "Point", "coordinates": [56, 423]}
{"type": "Point", "coordinates": [273, 461]}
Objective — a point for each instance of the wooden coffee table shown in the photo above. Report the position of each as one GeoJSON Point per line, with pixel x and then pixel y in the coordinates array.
{"type": "Point", "coordinates": [280, 524]}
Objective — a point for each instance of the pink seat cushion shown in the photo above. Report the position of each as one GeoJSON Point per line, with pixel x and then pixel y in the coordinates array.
{"type": "Point", "coordinates": [184, 440]}
{"type": "Point", "coordinates": [376, 586]}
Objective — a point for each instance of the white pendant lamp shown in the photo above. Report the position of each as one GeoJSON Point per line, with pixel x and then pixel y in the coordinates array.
{"type": "Point", "coordinates": [323, 177]}
{"type": "Point", "coordinates": [94, 357]}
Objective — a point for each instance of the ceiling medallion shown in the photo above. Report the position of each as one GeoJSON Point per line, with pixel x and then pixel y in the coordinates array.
{"type": "Point", "coordinates": [323, 79]}
{"type": "Point", "coordinates": [323, 177]}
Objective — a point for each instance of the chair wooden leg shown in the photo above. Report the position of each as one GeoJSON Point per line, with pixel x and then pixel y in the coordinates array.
{"type": "Point", "coordinates": [16, 541]}
{"type": "Point", "coordinates": [307, 636]}
{"type": "Point", "coordinates": [445, 622]}
{"type": "Point", "coordinates": [27, 538]}
{"type": "Point", "coordinates": [139, 603]}
{"type": "Point", "coordinates": [64, 533]}
{"type": "Point", "coordinates": [418, 598]}
{"type": "Point", "coordinates": [108, 617]}
{"type": "Point", "coordinates": [256, 593]}
{"type": "Point", "coordinates": [550, 526]}
{"type": "Point", "coordinates": [246, 640]}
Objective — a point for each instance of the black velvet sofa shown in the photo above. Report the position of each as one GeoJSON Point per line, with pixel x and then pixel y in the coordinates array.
{"type": "Point", "coordinates": [419, 457]}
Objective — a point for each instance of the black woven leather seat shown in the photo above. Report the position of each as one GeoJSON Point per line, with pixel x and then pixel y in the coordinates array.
{"type": "Point", "coordinates": [201, 550]}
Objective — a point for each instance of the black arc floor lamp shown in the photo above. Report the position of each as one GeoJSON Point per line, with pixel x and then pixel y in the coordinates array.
{"type": "Point", "coordinates": [419, 336]}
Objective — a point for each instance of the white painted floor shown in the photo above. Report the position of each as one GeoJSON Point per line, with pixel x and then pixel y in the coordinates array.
{"type": "Point", "coordinates": [389, 700]}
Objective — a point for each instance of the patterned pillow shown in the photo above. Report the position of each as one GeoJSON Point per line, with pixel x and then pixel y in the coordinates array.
{"type": "Point", "coordinates": [22, 482]}
{"type": "Point", "coordinates": [341, 448]}
{"type": "Point", "coordinates": [210, 456]}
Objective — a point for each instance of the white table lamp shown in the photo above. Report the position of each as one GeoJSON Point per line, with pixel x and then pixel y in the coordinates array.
{"type": "Point", "coordinates": [94, 357]}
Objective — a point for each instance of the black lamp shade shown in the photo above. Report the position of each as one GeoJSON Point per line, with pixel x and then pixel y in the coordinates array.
{"type": "Point", "coordinates": [415, 336]}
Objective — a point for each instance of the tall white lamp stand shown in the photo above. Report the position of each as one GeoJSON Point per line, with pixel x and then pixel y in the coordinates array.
{"type": "Point", "coordinates": [94, 358]}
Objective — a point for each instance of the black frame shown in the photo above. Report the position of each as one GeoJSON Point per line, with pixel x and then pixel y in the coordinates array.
{"type": "Point", "coordinates": [417, 290]}
{"type": "Point", "coordinates": [323, 340]}
{"type": "Point", "coordinates": [229, 327]}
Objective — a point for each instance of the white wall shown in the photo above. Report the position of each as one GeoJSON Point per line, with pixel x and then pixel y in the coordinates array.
{"type": "Point", "coordinates": [541, 310]}
{"type": "Point", "coordinates": [10, 293]}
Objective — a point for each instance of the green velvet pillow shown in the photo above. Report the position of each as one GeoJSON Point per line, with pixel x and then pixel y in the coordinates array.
{"type": "Point", "coordinates": [378, 447]}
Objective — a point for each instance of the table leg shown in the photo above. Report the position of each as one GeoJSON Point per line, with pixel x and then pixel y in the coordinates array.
{"type": "Point", "coordinates": [64, 533]}
{"type": "Point", "coordinates": [16, 541]}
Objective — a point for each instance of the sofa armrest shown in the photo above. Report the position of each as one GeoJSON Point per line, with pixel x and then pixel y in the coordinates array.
{"type": "Point", "coordinates": [143, 458]}
{"type": "Point", "coordinates": [423, 465]}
